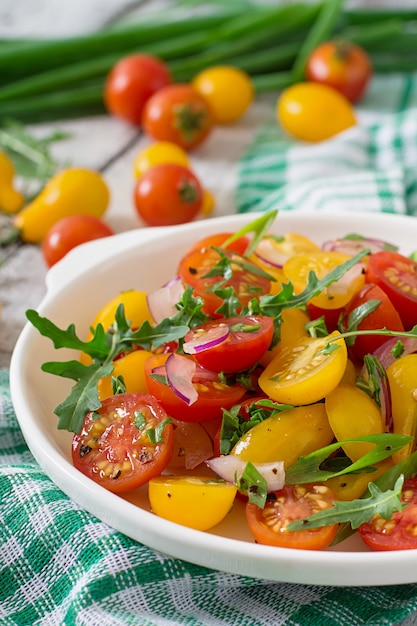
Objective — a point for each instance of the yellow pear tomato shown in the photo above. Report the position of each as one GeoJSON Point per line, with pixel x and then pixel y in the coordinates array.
{"type": "Point", "coordinates": [192, 501]}
{"type": "Point", "coordinates": [286, 436]}
{"type": "Point", "coordinates": [314, 112]}
{"type": "Point", "coordinates": [352, 413]}
{"type": "Point", "coordinates": [401, 376]}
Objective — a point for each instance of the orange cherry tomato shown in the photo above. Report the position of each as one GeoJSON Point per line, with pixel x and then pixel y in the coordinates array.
{"type": "Point", "coordinates": [177, 113]}
{"type": "Point", "coordinates": [343, 65]}
{"type": "Point", "coordinates": [293, 502]}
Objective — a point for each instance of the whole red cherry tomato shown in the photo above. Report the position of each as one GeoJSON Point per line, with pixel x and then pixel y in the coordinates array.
{"type": "Point", "coordinates": [342, 65]}
{"type": "Point", "coordinates": [179, 114]}
{"type": "Point", "coordinates": [168, 194]}
{"type": "Point", "coordinates": [131, 82]}
{"type": "Point", "coordinates": [70, 232]}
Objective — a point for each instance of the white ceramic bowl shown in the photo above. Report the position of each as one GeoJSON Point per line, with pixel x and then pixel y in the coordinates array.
{"type": "Point", "coordinates": [144, 259]}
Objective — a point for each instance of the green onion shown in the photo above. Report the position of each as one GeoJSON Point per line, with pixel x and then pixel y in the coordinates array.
{"type": "Point", "coordinates": [43, 80]}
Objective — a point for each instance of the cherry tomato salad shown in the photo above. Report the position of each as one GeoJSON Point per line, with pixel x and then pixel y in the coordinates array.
{"type": "Point", "coordinates": [268, 370]}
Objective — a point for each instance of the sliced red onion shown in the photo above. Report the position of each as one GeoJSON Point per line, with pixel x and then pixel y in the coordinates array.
{"type": "Point", "coordinates": [353, 246]}
{"type": "Point", "coordinates": [384, 352]}
{"type": "Point", "coordinates": [161, 302]}
{"type": "Point", "coordinates": [268, 254]}
{"type": "Point", "coordinates": [342, 285]}
{"type": "Point", "coordinates": [203, 374]}
{"type": "Point", "coordinates": [206, 339]}
{"type": "Point", "coordinates": [160, 370]}
{"type": "Point", "coordinates": [180, 371]}
{"type": "Point", "coordinates": [384, 397]}
{"type": "Point", "coordinates": [231, 468]}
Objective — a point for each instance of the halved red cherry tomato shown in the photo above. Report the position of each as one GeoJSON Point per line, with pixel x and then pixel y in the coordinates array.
{"type": "Point", "coordinates": [397, 276]}
{"type": "Point", "coordinates": [293, 502]}
{"type": "Point", "coordinates": [116, 448]}
{"type": "Point", "coordinates": [213, 395]}
{"type": "Point", "coordinates": [238, 245]}
{"type": "Point", "coordinates": [131, 82]}
{"type": "Point", "coordinates": [343, 65]}
{"type": "Point", "coordinates": [168, 194]}
{"type": "Point", "coordinates": [248, 339]}
{"type": "Point", "coordinates": [194, 267]}
{"type": "Point", "coordinates": [385, 316]}
{"type": "Point", "coordinates": [399, 532]}
{"type": "Point", "coordinates": [178, 113]}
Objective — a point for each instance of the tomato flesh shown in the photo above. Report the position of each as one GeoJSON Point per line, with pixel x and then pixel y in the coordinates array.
{"type": "Point", "coordinates": [397, 277]}
{"type": "Point", "coordinates": [293, 502]}
{"type": "Point", "coordinates": [193, 270]}
{"type": "Point", "coordinates": [398, 533]}
{"type": "Point", "coordinates": [213, 395]}
{"type": "Point", "coordinates": [242, 347]}
{"type": "Point", "coordinates": [113, 447]}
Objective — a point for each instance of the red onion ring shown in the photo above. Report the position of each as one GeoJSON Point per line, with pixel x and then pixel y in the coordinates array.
{"type": "Point", "coordinates": [180, 371]}
{"type": "Point", "coordinates": [268, 254]}
{"type": "Point", "coordinates": [206, 339]}
{"type": "Point", "coordinates": [353, 246]}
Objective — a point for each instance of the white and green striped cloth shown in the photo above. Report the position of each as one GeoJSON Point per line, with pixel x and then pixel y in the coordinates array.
{"type": "Point", "coordinates": [370, 167]}
{"type": "Point", "coordinates": [61, 566]}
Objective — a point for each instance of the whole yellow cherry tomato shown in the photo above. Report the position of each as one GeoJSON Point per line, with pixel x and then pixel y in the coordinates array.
{"type": "Point", "coordinates": [351, 486]}
{"type": "Point", "coordinates": [352, 413]}
{"type": "Point", "coordinates": [286, 436]}
{"type": "Point", "coordinates": [401, 376]}
{"type": "Point", "coordinates": [74, 191]}
{"type": "Point", "coordinates": [228, 90]}
{"type": "Point", "coordinates": [314, 112]}
{"type": "Point", "coordinates": [159, 153]}
{"type": "Point", "coordinates": [191, 501]}
{"type": "Point", "coordinates": [208, 203]}
{"type": "Point", "coordinates": [131, 368]}
{"type": "Point", "coordinates": [305, 371]}
{"type": "Point", "coordinates": [336, 295]}
{"type": "Point", "coordinates": [293, 328]}
{"type": "Point", "coordinates": [10, 199]}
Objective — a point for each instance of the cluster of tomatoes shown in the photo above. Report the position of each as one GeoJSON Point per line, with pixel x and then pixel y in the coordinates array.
{"type": "Point", "coordinates": [337, 76]}
{"type": "Point", "coordinates": [317, 388]}
{"type": "Point", "coordinates": [179, 117]}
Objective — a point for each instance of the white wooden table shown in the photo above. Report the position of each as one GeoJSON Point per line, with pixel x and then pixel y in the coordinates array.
{"type": "Point", "coordinates": [107, 145]}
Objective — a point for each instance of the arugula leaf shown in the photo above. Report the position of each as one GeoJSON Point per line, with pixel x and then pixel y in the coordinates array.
{"type": "Point", "coordinates": [407, 467]}
{"type": "Point", "coordinates": [356, 512]}
{"type": "Point", "coordinates": [259, 227]}
{"type": "Point", "coordinates": [357, 316]}
{"type": "Point", "coordinates": [83, 397]}
{"type": "Point", "coordinates": [254, 484]}
{"type": "Point", "coordinates": [307, 468]}
{"type": "Point", "coordinates": [375, 374]}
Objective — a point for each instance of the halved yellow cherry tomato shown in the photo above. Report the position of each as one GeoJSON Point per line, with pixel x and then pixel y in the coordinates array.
{"type": "Point", "coordinates": [131, 368]}
{"type": "Point", "coordinates": [192, 501]}
{"type": "Point", "coordinates": [305, 371]}
{"type": "Point", "coordinates": [274, 250]}
{"type": "Point", "coordinates": [352, 413]}
{"type": "Point", "coordinates": [286, 436]}
{"type": "Point", "coordinates": [403, 387]}
{"type": "Point", "coordinates": [338, 294]}
{"type": "Point", "coordinates": [292, 329]}
{"type": "Point", "coordinates": [136, 312]}
{"type": "Point", "coordinates": [159, 153]}
{"type": "Point", "coordinates": [314, 112]}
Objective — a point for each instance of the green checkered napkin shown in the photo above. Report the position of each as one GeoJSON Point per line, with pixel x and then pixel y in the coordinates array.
{"type": "Point", "coordinates": [370, 167]}
{"type": "Point", "coordinates": [61, 566]}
